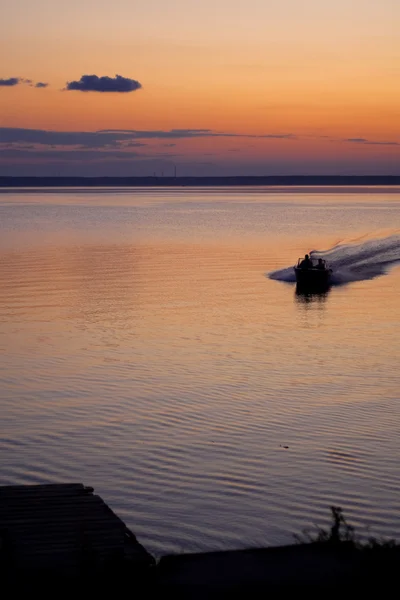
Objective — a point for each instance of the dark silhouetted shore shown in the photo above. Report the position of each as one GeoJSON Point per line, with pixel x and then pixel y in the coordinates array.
{"type": "Point", "coordinates": [274, 180]}
{"type": "Point", "coordinates": [64, 535]}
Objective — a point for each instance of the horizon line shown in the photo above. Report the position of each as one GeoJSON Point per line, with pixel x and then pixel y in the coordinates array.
{"type": "Point", "coordinates": [158, 180]}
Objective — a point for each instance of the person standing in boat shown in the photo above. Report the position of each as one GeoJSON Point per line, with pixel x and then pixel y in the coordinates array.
{"type": "Point", "coordinates": [321, 264]}
{"type": "Point", "coordinates": [306, 263]}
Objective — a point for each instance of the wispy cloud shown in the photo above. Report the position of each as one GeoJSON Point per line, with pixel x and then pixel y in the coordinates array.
{"type": "Point", "coordinates": [92, 139]}
{"type": "Point", "coordinates": [13, 81]}
{"type": "Point", "coordinates": [93, 83]}
{"type": "Point", "coordinates": [370, 142]}
{"type": "Point", "coordinates": [195, 133]}
{"type": "Point", "coordinates": [116, 137]}
{"type": "Point", "coordinates": [120, 139]}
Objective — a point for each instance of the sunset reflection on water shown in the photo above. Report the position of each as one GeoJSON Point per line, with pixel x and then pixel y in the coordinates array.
{"type": "Point", "coordinates": [168, 371]}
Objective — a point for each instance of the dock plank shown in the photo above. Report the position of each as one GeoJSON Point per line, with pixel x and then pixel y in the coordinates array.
{"type": "Point", "coordinates": [63, 527]}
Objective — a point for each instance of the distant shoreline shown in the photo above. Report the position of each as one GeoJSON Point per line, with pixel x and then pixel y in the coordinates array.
{"type": "Point", "coordinates": [273, 180]}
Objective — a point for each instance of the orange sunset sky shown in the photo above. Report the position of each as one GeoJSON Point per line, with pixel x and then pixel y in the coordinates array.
{"type": "Point", "coordinates": [213, 87]}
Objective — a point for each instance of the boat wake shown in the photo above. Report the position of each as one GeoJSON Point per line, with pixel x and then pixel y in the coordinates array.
{"type": "Point", "coordinates": [352, 261]}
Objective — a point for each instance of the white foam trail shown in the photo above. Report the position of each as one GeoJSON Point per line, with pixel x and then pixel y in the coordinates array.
{"type": "Point", "coordinates": [283, 275]}
{"type": "Point", "coordinates": [353, 262]}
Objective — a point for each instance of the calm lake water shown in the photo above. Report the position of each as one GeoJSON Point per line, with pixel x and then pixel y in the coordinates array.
{"type": "Point", "coordinates": [146, 350]}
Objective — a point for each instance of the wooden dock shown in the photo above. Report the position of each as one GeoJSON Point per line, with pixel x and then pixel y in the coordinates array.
{"type": "Point", "coordinates": [64, 530]}
{"type": "Point", "coordinates": [64, 538]}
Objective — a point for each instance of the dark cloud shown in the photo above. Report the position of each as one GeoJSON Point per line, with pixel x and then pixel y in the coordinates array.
{"type": "Point", "coordinates": [370, 142]}
{"type": "Point", "coordinates": [278, 136]}
{"type": "Point", "coordinates": [81, 151]}
{"type": "Point", "coordinates": [384, 143]}
{"type": "Point", "coordinates": [195, 133]}
{"type": "Point", "coordinates": [10, 82]}
{"type": "Point", "coordinates": [119, 139]}
{"type": "Point", "coordinates": [115, 137]}
{"type": "Point", "coordinates": [356, 140]}
{"type": "Point", "coordinates": [90, 139]}
{"type": "Point", "coordinates": [160, 134]}
{"type": "Point", "coordinates": [93, 83]}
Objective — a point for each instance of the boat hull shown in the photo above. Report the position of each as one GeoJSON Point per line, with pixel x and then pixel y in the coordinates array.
{"type": "Point", "coordinates": [313, 278]}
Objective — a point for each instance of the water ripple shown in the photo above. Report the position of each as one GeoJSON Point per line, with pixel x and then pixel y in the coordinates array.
{"type": "Point", "coordinates": [144, 352]}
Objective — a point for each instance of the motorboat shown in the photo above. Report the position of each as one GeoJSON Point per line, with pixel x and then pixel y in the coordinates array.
{"type": "Point", "coordinates": [312, 273]}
